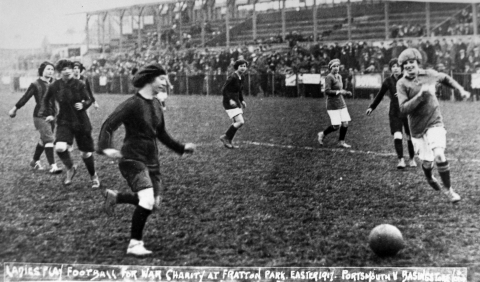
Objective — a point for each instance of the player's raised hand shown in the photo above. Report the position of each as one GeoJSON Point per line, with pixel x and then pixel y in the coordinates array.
{"type": "Point", "coordinates": [112, 153]}
{"type": "Point", "coordinates": [78, 106]}
{"type": "Point", "coordinates": [189, 148]}
{"type": "Point", "coordinates": [13, 112]}
{"type": "Point", "coordinates": [465, 94]}
{"type": "Point", "coordinates": [369, 111]}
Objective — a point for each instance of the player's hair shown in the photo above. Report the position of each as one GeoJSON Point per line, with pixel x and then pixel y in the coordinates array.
{"type": "Point", "coordinates": [392, 62]}
{"type": "Point", "coordinates": [42, 67]}
{"type": "Point", "coordinates": [239, 63]}
{"type": "Point", "coordinates": [64, 63]}
{"type": "Point", "coordinates": [79, 64]}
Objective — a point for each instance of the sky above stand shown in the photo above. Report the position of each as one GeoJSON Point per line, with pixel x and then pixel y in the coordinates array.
{"type": "Point", "coordinates": [25, 23]}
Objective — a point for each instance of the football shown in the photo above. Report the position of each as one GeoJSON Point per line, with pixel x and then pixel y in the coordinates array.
{"type": "Point", "coordinates": [386, 240]}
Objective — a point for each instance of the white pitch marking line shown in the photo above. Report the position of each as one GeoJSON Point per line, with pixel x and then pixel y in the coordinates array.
{"type": "Point", "coordinates": [337, 150]}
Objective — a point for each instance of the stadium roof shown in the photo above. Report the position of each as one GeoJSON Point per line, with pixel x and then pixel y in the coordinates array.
{"type": "Point", "coordinates": [126, 4]}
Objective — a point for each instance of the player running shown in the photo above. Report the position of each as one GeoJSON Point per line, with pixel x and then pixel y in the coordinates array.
{"type": "Point", "coordinates": [142, 117]}
{"type": "Point", "coordinates": [416, 97]}
{"type": "Point", "coordinates": [336, 106]}
{"type": "Point", "coordinates": [72, 120]}
{"type": "Point", "coordinates": [233, 102]}
{"type": "Point", "coordinates": [396, 118]}
{"type": "Point", "coordinates": [45, 127]}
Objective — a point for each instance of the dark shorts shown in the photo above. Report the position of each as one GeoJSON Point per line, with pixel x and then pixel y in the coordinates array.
{"type": "Point", "coordinates": [140, 177]}
{"type": "Point", "coordinates": [45, 128]}
{"type": "Point", "coordinates": [67, 134]}
{"type": "Point", "coordinates": [399, 123]}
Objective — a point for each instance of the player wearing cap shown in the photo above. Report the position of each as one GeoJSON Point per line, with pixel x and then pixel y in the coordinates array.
{"type": "Point", "coordinates": [336, 106]}
{"type": "Point", "coordinates": [142, 117]}
{"type": "Point", "coordinates": [398, 121]}
{"type": "Point", "coordinates": [233, 102]}
{"type": "Point", "coordinates": [72, 120]}
{"type": "Point", "coordinates": [416, 97]}
{"type": "Point", "coordinates": [45, 127]}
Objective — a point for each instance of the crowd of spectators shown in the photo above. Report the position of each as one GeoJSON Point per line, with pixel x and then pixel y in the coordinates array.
{"type": "Point", "coordinates": [460, 24]}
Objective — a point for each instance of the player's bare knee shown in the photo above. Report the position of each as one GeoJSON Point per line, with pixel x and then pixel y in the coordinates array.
{"type": "Point", "coordinates": [238, 124]}
{"type": "Point", "coordinates": [345, 123]}
{"type": "Point", "coordinates": [146, 198]}
{"type": "Point", "coordinates": [440, 158]}
{"type": "Point", "coordinates": [336, 127]}
{"type": "Point", "coordinates": [397, 135]}
{"type": "Point", "coordinates": [427, 164]}
{"type": "Point", "coordinates": [61, 147]}
{"type": "Point", "coordinates": [86, 155]}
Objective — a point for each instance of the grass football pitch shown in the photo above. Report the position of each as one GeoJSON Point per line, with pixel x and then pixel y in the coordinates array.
{"type": "Point", "coordinates": [278, 200]}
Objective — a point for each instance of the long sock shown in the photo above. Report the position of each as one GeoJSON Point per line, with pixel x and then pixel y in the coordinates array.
{"type": "Point", "coordinates": [50, 155]}
{"type": "Point", "coordinates": [329, 130]}
{"type": "Point", "coordinates": [343, 133]}
{"type": "Point", "coordinates": [90, 164]}
{"type": "Point", "coordinates": [127, 198]}
{"type": "Point", "coordinates": [65, 158]}
{"type": "Point", "coordinates": [231, 132]}
{"type": "Point", "coordinates": [398, 147]}
{"type": "Point", "coordinates": [444, 171]}
{"type": "Point", "coordinates": [140, 216]}
{"type": "Point", "coordinates": [38, 152]}
{"type": "Point", "coordinates": [411, 150]}
{"type": "Point", "coordinates": [428, 172]}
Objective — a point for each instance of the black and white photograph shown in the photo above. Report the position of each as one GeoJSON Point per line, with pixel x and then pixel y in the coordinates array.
{"type": "Point", "coordinates": [240, 140]}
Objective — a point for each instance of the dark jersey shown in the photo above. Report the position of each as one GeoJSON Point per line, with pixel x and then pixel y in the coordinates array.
{"type": "Point", "coordinates": [88, 86]}
{"type": "Point", "coordinates": [37, 89]}
{"type": "Point", "coordinates": [144, 124]}
{"type": "Point", "coordinates": [232, 90]}
{"type": "Point", "coordinates": [67, 94]}
{"type": "Point", "coordinates": [390, 85]}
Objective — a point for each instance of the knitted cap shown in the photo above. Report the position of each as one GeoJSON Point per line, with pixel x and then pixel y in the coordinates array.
{"type": "Point", "coordinates": [332, 62]}
{"type": "Point", "coordinates": [146, 73]}
{"type": "Point", "coordinates": [410, 54]}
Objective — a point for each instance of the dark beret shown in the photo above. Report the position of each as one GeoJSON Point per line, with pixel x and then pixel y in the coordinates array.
{"type": "Point", "coordinates": [146, 73]}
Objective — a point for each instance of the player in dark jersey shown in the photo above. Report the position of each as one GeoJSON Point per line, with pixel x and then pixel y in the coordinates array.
{"type": "Point", "coordinates": [233, 102]}
{"type": "Point", "coordinates": [142, 117]}
{"type": "Point", "coordinates": [45, 127]}
{"type": "Point", "coordinates": [398, 121]}
{"type": "Point", "coordinates": [78, 69]}
{"type": "Point", "coordinates": [72, 120]}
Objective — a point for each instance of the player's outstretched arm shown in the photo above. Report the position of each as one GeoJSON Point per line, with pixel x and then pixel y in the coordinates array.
{"type": "Point", "coordinates": [452, 83]}
{"type": "Point", "coordinates": [32, 89]}
{"type": "Point", "coordinates": [378, 97]}
{"type": "Point", "coordinates": [111, 124]}
{"type": "Point", "coordinates": [171, 143]}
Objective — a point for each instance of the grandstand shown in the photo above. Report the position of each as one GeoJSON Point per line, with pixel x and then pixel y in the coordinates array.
{"type": "Point", "coordinates": [202, 23]}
